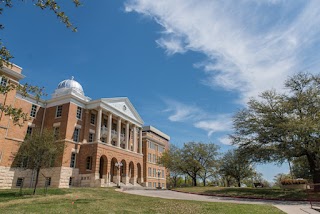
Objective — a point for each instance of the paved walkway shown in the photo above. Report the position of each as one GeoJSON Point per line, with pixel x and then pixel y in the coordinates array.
{"type": "Point", "coordinates": [286, 206]}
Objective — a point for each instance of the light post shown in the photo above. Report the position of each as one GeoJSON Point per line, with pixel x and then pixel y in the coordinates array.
{"type": "Point", "coordinates": [159, 172]}
{"type": "Point", "coordinates": [119, 165]}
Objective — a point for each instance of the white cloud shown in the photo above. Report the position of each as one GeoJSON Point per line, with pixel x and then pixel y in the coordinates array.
{"type": "Point", "coordinates": [251, 45]}
{"type": "Point", "coordinates": [221, 123]}
{"type": "Point", "coordinates": [225, 140]}
{"type": "Point", "coordinates": [180, 112]}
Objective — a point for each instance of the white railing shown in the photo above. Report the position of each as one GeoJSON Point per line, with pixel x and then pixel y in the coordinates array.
{"type": "Point", "coordinates": [104, 131]}
{"type": "Point", "coordinates": [114, 134]}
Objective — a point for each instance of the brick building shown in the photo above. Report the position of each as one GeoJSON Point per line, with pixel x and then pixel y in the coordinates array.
{"type": "Point", "coordinates": [106, 143]}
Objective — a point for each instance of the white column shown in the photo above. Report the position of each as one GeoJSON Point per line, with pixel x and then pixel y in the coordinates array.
{"type": "Point", "coordinates": [98, 128]}
{"type": "Point", "coordinates": [119, 132]}
{"type": "Point", "coordinates": [134, 138]}
{"type": "Point", "coordinates": [140, 141]}
{"type": "Point", "coordinates": [109, 128]}
{"type": "Point", "coordinates": [127, 135]}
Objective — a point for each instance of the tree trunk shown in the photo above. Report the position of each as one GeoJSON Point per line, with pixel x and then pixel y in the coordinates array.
{"type": "Point", "coordinates": [204, 182]}
{"type": "Point", "coordinates": [35, 185]}
{"type": "Point", "coordinates": [315, 171]}
{"type": "Point", "coordinates": [175, 181]}
{"type": "Point", "coordinates": [239, 182]}
{"type": "Point", "coordinates": [194, 179]}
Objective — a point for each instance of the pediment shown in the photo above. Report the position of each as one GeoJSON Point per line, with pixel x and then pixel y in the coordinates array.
{"type": "Point", "coordinates": [124, 106]}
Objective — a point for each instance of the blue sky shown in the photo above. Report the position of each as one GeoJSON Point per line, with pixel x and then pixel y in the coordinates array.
{"type": "Point", "coordinates": [186, 65]}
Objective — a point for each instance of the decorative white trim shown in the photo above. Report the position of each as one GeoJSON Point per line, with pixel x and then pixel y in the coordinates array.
{"type": "Point", "coordinates": [78, 126]}
{"type": "Point", "coordinates": [31, 125]}
{"type": "Point", "coordinates": [92, 131]}
{"type": "Point", "coordinates": [30, 99]}
{"type": "Point", "coordinates": [56, 124]}
{"type": "Point", "coordinates": [12, 73]}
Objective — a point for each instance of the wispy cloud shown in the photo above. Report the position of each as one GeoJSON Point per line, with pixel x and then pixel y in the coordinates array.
{"type": "Point", "coordinates": [251, 45]}
{"type": "Point", "coordinates": [180, 112]}
{"type": "Point", "coordinates": [220, 123]}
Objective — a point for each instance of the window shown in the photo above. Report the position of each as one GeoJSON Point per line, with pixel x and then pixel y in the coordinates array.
{"type": "Point", "coordinates": [73, 160]}
{"type": "Point", "coordinates": [29, 130]}
{"type": "Point", "coordinates": [48, 181]}
{"type": "Point", "coordinates": [59, 111]}
{"type": "Point", "coordinates": [161, 149]}
{"type": "Point", "coordinates": [19, 182]}
{"type": "Point", "coordinates": [149, 184]}
{"type": "Point", "coordinates": [89, 163]}
{"type": "Point", "coordinates": [91, 136]}
{"type": "Point", "coordinates": [70, 181]}
{"type": "Point", "coordinates": [33, 111]}
{"type": "Point", "coordinates": [56, 132]}
{"type": "Point", "coordinates": [149, 171]}
{"type": "Point", "coordinates": [79, 113]}
{"type": "Point", "coordinates": [76, 135]}
{"type": "Point", "coordinates": [149, 157]}
{"type": "Point", "coordinates": [162, 172]}
{"type": "Point", "coordinates": [154, 184]}
{"type": "Point", "coordinates": [93, 119]}
{"type": "Point", "coordinates": [154, 173]}
{"type": "Point", "coordinates": [3, 81]}
{"type": "Point", "coordinates": [162, 185]}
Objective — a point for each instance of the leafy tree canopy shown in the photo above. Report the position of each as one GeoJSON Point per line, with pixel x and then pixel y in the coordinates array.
{"type": "Point", "coordinates": [282, 126]}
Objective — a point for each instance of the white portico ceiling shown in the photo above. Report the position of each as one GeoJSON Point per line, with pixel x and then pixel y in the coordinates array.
{"type": "Point", "coordinates": [120, 106]}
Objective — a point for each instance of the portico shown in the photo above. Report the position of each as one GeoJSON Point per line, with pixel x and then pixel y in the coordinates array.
{"type": "Point", "coordinates": [116, 150]}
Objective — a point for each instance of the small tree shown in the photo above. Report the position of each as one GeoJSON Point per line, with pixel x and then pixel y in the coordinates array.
{"type": "Point", "coordinates": [236, 165]}
{"type": "Point", "coordinates": [197, 157]}
{"type": "Point", "coordinates": [40, 150]}
{"type": "Point", "coordinates": [171, 160]}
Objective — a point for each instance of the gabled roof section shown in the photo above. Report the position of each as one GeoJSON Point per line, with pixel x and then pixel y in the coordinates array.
{"type": "Point", "coordinates": [124, 106]}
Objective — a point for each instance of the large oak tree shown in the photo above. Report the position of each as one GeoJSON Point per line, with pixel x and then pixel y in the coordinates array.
{"type": "Point", "coordinates": [280, 126]}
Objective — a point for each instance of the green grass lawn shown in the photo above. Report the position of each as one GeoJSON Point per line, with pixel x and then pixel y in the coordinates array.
{"type": "Point", "coordinates": [266, 193]}
{"type": "Point", "coordinates": [102, 200]}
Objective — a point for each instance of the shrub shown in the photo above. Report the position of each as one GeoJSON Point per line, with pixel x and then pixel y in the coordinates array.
{"type": "Point", "coordinates": [293, 181]}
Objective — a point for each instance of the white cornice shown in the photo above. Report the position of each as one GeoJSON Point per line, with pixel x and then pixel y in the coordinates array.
{"type": "Point", "coordinates": [12, 73]}
{"type": "Point", "coordinates": [31, 99]}
{"type": "Point", "coordinates": [66, 99]}
{"type": "Point", "coordinates": [156, 131]}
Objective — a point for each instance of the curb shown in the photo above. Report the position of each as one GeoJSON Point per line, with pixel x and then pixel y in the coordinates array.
{"type": "Point", "coordinates": [248, 197]}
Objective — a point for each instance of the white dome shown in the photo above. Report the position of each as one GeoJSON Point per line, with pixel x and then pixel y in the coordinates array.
{"type": "Point", "coordinates": [71, 84]}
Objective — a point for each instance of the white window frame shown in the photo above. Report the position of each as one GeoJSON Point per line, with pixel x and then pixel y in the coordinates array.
{"type": "Point", "coordinates": [33, 111]}
{"type": "Point", "coordinates": [73, 160]}
{"type": "Point", "coordinates": [91, 137]}
{"type": "Point", "coordinates": [76, 134]}
{"type": "Point", "coordinates": [59, 111]}
{"type": "Point", "coordinates": [94, 120]}
{"type": "Point", "coordinates": [29, 130]}
{"type": "Point", "coordinates": [79, 113]}
{"type": "Point", "coordinates": [3, 81]}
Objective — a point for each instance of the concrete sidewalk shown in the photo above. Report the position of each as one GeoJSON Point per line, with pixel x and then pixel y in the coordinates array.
{"type": "Point", "coordinates": [291, 207]}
